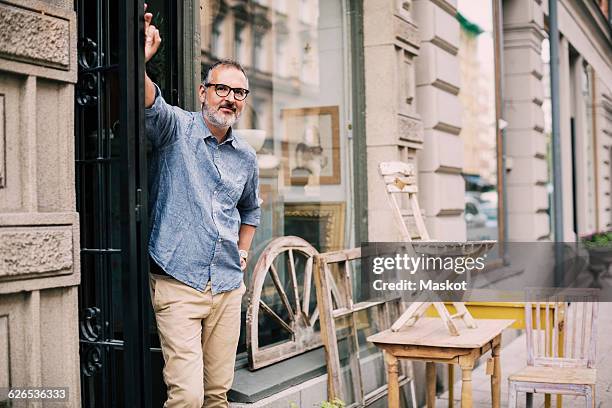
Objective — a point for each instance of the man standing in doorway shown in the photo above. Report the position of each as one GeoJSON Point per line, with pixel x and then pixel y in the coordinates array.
{"type": "Point", "coordinates": [204, 209]}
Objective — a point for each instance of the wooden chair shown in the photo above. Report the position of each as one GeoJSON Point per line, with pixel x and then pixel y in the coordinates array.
{"type": "Point", "coordinates": [400, 177]}
{"type": "Point", "coordinates": [400, 180]}
{"type": "Point", "coordinates": [334, 275]}
{"type": "Point", "coordinates": [559, 365]}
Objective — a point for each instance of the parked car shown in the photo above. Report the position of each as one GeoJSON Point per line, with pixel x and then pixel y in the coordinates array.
{"type": "Point", "coordinates": [475, 217]}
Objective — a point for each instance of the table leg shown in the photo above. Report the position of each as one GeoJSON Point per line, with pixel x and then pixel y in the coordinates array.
{"type": "Point", "coordinates": [547, 400]}
{"type": "Point", "coordinates": [466, 385]}
{"type": "Point", "coordinates": [496, 377]}
{"type": "Point", "coordinates": [393, 379]}
{"type": "Point", "coordinates": [430, 374]}
{"type": "Point", "coordinates": [451, 385]}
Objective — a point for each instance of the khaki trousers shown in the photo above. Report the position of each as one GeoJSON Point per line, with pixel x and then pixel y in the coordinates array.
{"type": "Point", "coordinates": [199, 335]}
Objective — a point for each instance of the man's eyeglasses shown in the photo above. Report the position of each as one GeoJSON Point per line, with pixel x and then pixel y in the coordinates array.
{"type": "Point", "coordinates": [223, 90]}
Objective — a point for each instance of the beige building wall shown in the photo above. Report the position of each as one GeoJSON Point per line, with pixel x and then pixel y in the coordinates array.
{"type": "Point", "coordinates": [394, 130]}
{"type": "Point", "coordinates": [527, 171]}
{"type": "Point", "coordinates": [585, 39]}
{"type": "Point", "coordinates": [438, 82]}
{"type": "Point", "coordinates": [39, 234]}
{"type": "Point", "coordinates": [603, 132]}
{"type": "Point", "coordinates": [421, 121]}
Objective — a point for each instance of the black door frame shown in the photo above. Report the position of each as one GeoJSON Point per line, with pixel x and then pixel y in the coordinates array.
{"type": "Point", "coordinates": [109, 115]}
{"type": "Point", "coordinates": [137, 362]}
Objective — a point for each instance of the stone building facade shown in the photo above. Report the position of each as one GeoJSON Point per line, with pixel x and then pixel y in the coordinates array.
{"type": "Point", "coordinates": [39, 229]}
{"type": "Point", "coordinates": [406, 80]}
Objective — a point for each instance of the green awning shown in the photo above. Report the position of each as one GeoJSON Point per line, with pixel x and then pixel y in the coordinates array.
{"type": "Point", "coordinates": [472, 28]}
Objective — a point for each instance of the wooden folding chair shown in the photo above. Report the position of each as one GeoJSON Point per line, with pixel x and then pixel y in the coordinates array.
{"type": "Point", "coordinates": [400, 179]}
{"type": "Point", "coordinates": [559, 365]}
{"type": "Point", "coordinates": [334, 282]}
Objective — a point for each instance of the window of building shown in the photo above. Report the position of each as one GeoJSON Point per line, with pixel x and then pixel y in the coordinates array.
{"type": "Point", "coordinates": [259, 57]}
{"type": "Point", "coordinates": [239, 42]}
{"type": "Point", "coordinates": [296, 120]}
{"type": "Point", "coordinates": [280, 57]}
{"type": "Point", "coordinates": [216, 38]}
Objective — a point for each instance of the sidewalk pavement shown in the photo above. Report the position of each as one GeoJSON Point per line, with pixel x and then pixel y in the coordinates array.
{"type": "Point", "coordinates": [514, 358]}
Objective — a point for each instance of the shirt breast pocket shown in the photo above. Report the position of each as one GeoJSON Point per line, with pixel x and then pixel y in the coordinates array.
{"type": "Point", "coordinates": [233, 190]}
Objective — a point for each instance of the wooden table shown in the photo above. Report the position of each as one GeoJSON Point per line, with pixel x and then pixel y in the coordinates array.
{"type": "Point", "coordinates": [429, 340]}
{"type": "Point", "coordinates": [508, 310]}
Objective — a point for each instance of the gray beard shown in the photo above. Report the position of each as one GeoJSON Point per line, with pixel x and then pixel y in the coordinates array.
{"type": "Point", "coordinates": [216, 118]}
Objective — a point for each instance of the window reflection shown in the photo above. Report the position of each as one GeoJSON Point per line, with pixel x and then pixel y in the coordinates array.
{"type": "Point", "coordinates": [216, 43]}
{"type": "Point", "coordinates": [478, 131]}
{"type": "Point", "coordinates": [295, 117]}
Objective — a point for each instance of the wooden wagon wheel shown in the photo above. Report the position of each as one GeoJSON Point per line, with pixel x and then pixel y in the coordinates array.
{"type": "Point", "coordinates": [301, 320]}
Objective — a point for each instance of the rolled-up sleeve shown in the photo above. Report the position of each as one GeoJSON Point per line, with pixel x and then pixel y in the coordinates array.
{"type": "Point", "coordinates": [248, 205]}
{"type": "Point", "coordinates": [161, 121]}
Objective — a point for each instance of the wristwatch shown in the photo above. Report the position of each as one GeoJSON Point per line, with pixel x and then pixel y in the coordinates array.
{"type": "Point", "coordinates": [243, 254]}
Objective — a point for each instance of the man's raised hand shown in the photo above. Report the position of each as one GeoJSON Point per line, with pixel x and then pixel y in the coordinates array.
{"type": "Point", "coordinates": [152, 38]}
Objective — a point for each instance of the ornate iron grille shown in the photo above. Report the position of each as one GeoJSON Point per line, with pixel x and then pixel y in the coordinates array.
{"type": "Point", "coordinates": [111, 185]}
{"type": "Point", "coordinates": [96, 172]}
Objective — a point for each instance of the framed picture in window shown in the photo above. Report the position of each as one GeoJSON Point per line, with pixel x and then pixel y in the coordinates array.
{"type": "Point", "coordinates": [321, 224]}
{"type": "Point", "coordinates": [311, 146]}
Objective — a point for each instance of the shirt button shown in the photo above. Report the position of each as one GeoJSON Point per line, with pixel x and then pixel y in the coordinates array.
{"type": "Point", "coordinates": [220, 240]}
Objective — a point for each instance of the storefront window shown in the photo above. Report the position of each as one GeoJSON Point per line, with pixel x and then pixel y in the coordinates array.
{"type": "Point", "coordinates": [296, 118]}
{"type": "Point", "coordinates": [479, 130]}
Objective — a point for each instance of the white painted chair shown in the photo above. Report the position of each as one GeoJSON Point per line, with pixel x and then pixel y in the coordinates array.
{"type": "Point", "coordinates": [561, 346]}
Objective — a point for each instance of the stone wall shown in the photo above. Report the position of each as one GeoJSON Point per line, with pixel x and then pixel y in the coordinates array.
{"type": "Point", "coordinates": [394, 130]}
{"type": "Point", "coordinates": [39, 234]}
{"type": "Point", "coordinates": [527, 175]}
{"type": "Point", "coordinates": [412, 110]}
{"type": "Point", "coordinates": [603, 126]}
{"type": "Point", "coordinates": [438, 82]}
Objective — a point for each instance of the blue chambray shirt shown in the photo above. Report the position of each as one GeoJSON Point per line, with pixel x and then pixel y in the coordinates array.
{"type": "Point", "coordinates": [200, 193]}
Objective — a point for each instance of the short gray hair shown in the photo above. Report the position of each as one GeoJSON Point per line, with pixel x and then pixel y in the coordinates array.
{"type": "Point", "coordinates": [226, 63]}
